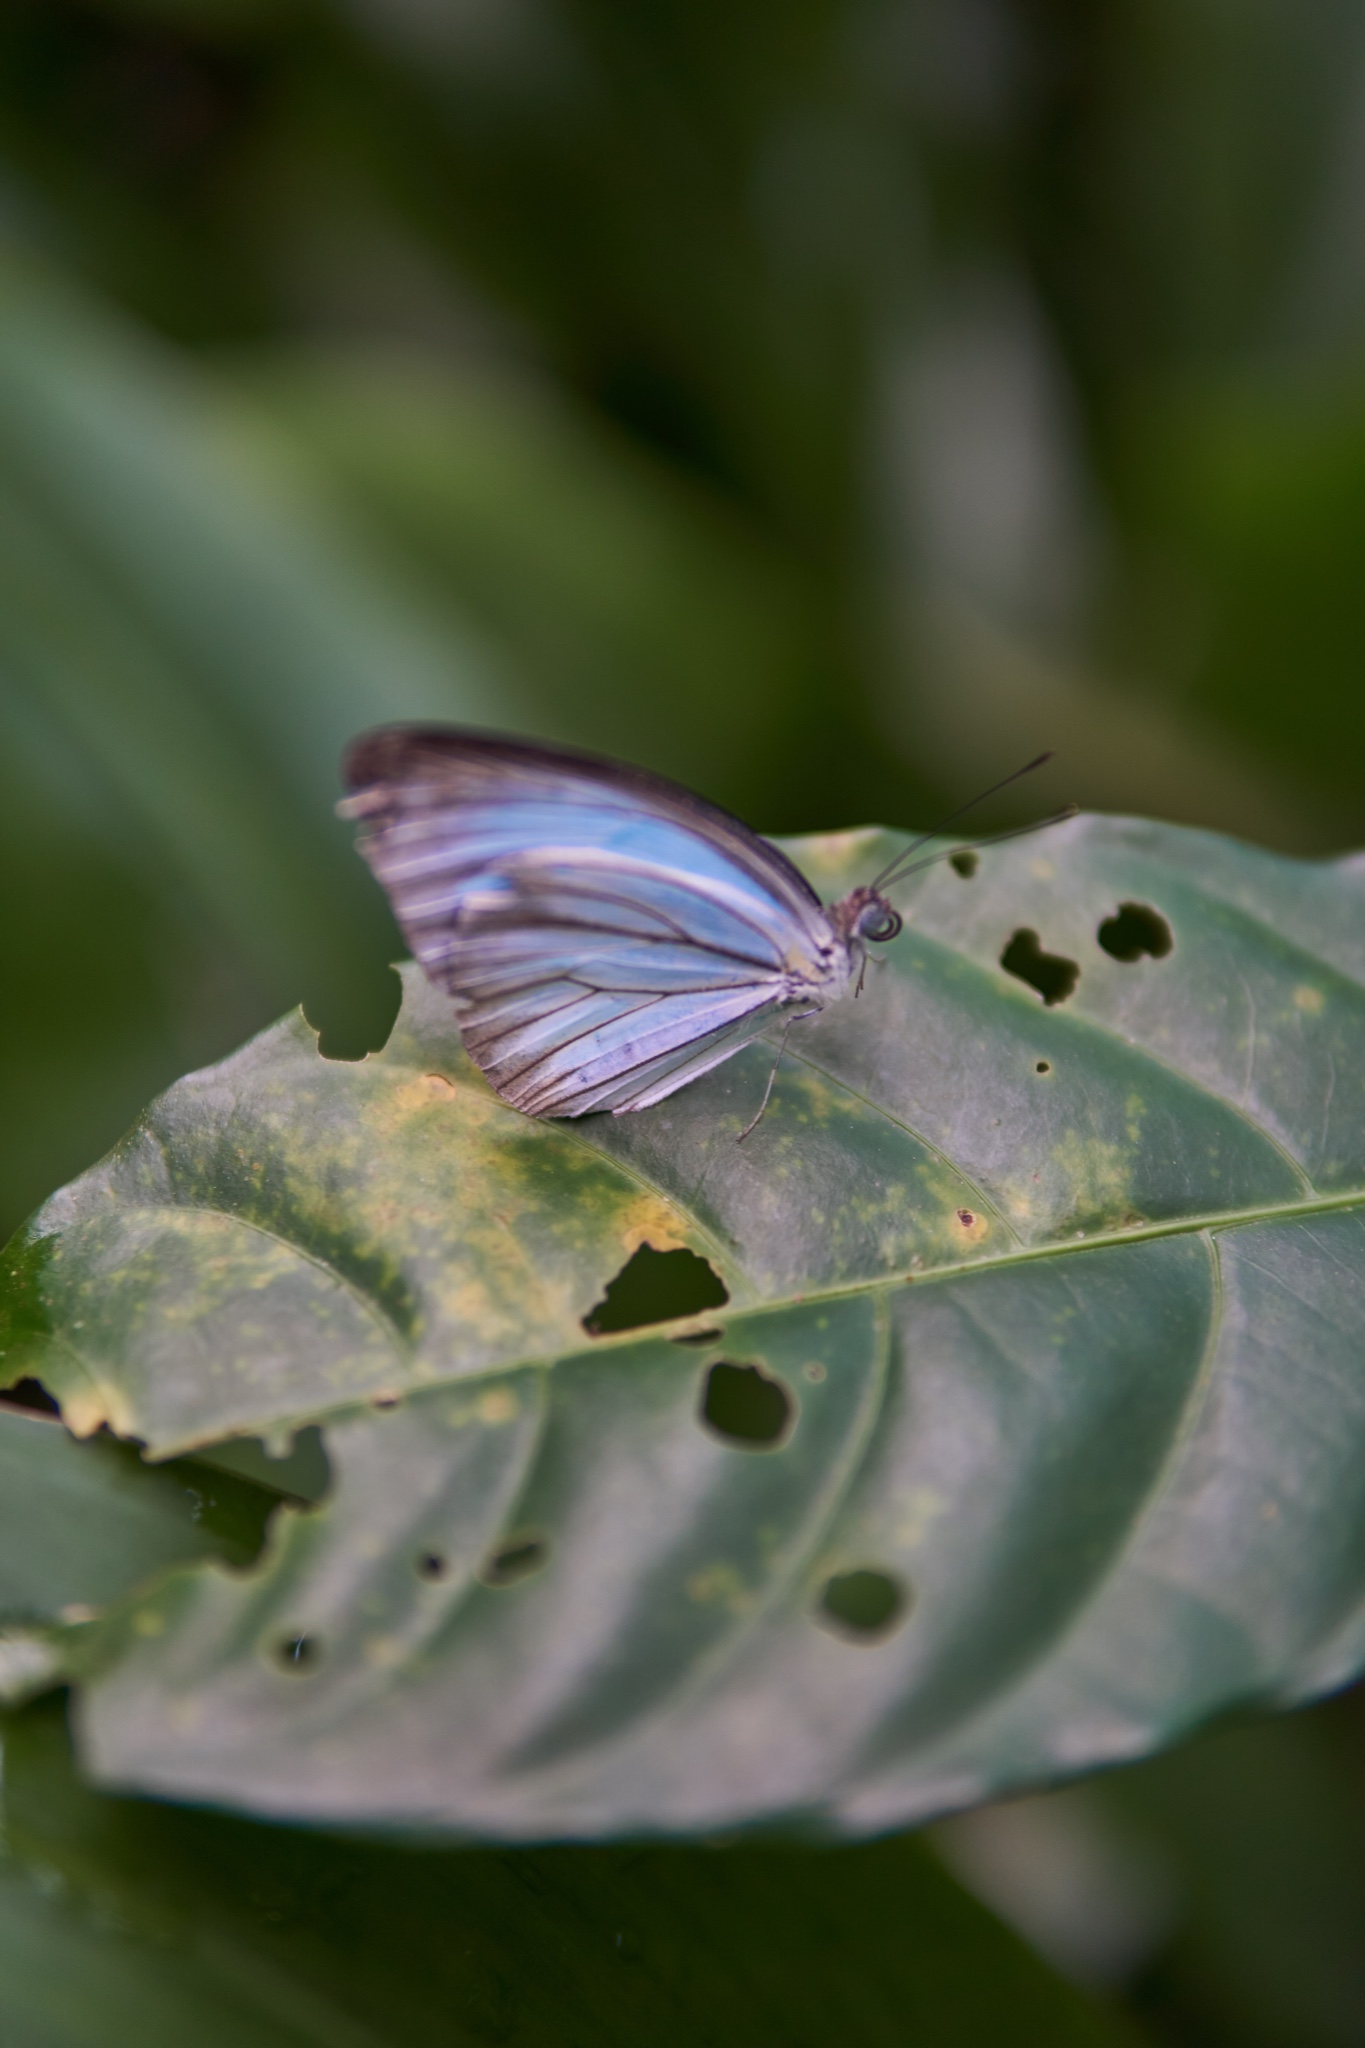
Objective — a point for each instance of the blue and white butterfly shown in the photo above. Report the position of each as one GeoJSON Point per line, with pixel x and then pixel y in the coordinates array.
{"type": "Point", "coordinates": [605, 935]}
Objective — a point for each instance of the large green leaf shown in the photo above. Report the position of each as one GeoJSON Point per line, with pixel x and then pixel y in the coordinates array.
{"type": "Point", "coordinates": [1039, 1438]}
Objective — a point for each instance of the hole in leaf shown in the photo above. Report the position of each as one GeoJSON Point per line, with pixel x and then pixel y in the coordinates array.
{"type": "Point", "coordinates": [1136, 930]}
{"type": "Point", "coordinates": [1053, 975]}
{"type": "Point", "coordinates": [30, 1394]}
{"type": "Point", "coordinates": [699, 1337]}
{"type": "Point", "coordinates": [515, 1559]}
{"type": "Point", "coordinates": [965, 863]}
{"type": "Point", "coordinates": [355, 1017]}
{"type": "Point", "coordinates": [863, 1606]}
{"type": "Point", "coordinates": [431, 1565]}
{"type": "Point", "coordinates": [655, 1287]}
{"type": "Point", "coordinates": [743, 1405]}
{"type": "Point", "coordinates": [1043, 1067]}
{"type": "Point", "coordinates": [302, 1474]}
{"type": "Point", "coordinates": [301, 1653]}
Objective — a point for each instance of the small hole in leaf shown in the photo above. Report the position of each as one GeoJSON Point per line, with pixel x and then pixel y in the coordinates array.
{"type": "Point", "coordinates": [1043, 1067]}
{"type": "Point", "coordinates": [863, 1606]}
{"type": "Point", "coordinates": [30, 1394]}
{"type": "Point", "coordinates": [431, 1565]}
{"type": "Point", "coordinates": [743, 1405]}
{"type": "Point", "coordinates": [1053, 975]}
{"type": "Point", "coordinates": [699, 1337]}
{"type": "Point", "coordinates": [1136, 930]}
{"type": "Point", "coordinates": [301, 1653]}
{"type": "Point", "coordinates": [965, 863]}
{"type": "Point", "coordinates": [355, 1018]}
{"type": "Point", "coordinates": [655, 1287]}
{"type": "Point", "coordinates": [516, 1559]}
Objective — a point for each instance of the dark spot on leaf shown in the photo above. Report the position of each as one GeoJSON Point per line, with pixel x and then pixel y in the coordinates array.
{"type": "Point", "coordinates": [431, 1565]}
{"type": "Point", "coordinates": [516, 1559]}
{"type": "Point", "coordinates": [698, 1337]}
{"type": "Point", "coordinates": [965, 863]}
{"type": "Point", "coordinates": [967, 1218]}
{"type": "Point", "coordinates": [1053, 975]}
{"type": "Point", "coordinates": [743, 1405]}
{"type": "Point", "coordinates": [863, 1606]}
{"type": "Point", "coordinates": [301, 1653]}
{"type": "Point", "coordinates": [385, 1400]}
{"type": "Point", "coordinates": [1043, 1067]}
{"type": "Point", "coordinates": [814, 1372]}
{"type": "Point", "coordinates": [356, 1018]}
{"type": "Point", "coordinates": [1134, 931]}
{"type": "Point", "coordinates": [655, 1287]}
{"type": "Point", "coordinates": [30, 1394]}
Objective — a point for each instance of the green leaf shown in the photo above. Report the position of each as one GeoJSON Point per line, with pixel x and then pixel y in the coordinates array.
{"type": "Point", "coordinates": [1028, 1436]}
{"type": "Point", "coordinates": [127, 1923]}
{"type": "Point", "coordinates": [82, 1524]}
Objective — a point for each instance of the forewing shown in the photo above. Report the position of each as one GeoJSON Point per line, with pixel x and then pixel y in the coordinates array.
{"type": "Point", "coordinates": [449, 815]}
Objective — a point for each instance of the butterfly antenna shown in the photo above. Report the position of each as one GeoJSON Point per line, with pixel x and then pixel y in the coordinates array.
{"type": "Point", "coordinates": [975, 845]}
{"type": "Point", "coordinates": [889, 874]}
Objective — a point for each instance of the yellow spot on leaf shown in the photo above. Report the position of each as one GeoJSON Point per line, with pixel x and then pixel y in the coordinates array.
{"type": "Point", "coordinates": [719, 1583]}
{"type": "Point", "coordinates": [499, 1404]}
{"type": "Point", "coordinates": [86, 1409]}
{"type": "Point", "coordinates": [647, 1220]}
{"type": "Point", "coordinates": [382, 1653]}
{"type": "Point", "coordinates": [920, 1508]}
{"type": "Point", "coordinates": [148, 1622]}
{"type": "Point", "coordinates": [1309, 1000]}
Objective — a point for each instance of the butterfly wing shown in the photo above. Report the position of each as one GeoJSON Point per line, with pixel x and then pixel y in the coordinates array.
{"type": "Point", "coordinates": [606, 935]}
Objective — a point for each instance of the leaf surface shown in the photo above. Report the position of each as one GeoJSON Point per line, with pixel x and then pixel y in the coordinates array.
{"type": "Point", "coordinates": [1028, 1435]}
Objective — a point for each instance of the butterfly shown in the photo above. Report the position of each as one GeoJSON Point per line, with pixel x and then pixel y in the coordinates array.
{"type": "Point", "coordinates": [605, 935]}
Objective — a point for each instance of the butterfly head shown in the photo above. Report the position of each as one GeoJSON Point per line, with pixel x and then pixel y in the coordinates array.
{"type": "Point", "coordinates": [863, 915]}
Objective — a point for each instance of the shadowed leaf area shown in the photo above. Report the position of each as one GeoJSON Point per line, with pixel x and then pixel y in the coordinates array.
{"type": "Point", "coordinates": [139, 1926]}
{"type": "Point", "coordinates": [993, 1412]}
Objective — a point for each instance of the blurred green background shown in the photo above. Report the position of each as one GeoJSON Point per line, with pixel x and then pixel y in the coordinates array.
{"type": "Point", "coordinates": [828, 402]}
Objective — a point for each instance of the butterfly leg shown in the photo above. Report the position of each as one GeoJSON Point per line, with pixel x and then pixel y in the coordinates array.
{"type": "Point", "coordinates": [797, 1017]}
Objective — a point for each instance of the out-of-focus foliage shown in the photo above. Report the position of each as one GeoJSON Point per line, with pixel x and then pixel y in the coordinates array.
{"type": "Point", "coordinates": [832, 402]}
{"type": "Point", "coordinates": [126, 1924]}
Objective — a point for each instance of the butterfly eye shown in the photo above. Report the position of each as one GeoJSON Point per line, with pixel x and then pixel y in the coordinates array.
{"type": "Point", "coordinates": [880, 923]}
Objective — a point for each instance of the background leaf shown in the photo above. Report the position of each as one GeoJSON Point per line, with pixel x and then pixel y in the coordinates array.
{"type": "Point", "coordinates": [129, 1923]}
